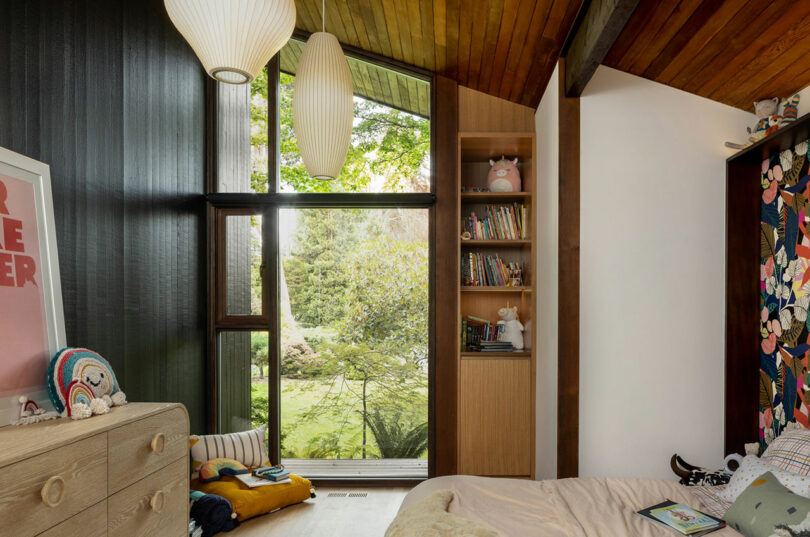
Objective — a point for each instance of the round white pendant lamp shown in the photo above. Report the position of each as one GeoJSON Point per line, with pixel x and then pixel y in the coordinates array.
{"type": "Point", "coordinates": [234, 39]}
{"type": "Point", "coordinates": [323, 106]}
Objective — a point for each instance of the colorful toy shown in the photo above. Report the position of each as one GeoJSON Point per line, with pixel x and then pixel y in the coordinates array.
{"type": "Point", "coordinates": [504, 176]}
{"type": "Point", "coordinates": [82, 383]}
{"type": "Point", "coordinates": [213, 469]}
{"type": "Point", "coordinates": [790, 109]}
{"type": "Point", "coordinates": [512, 328]}
{"type": "Point", "coordinates": [30, 412]}
{"type": "Point", "coordinates": [768, 122]}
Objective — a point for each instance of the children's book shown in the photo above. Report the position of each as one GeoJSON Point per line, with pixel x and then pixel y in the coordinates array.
{"type": "Point", "coordinates": [682, 518]}
{"type": "Point", "coordinates": [252, 481]}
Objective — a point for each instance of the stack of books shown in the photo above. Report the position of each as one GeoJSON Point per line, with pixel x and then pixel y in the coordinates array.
{"type": "Point", "coordinates": [499, 222]}
{"type": "Point", "coordinates": [483, 336]}
{"type": "Point", "coordinates": [682, 518]}
{"type": "Point", "coordinates": [489, 270]}
{"type": "Point", "coordinates": [492, 346]}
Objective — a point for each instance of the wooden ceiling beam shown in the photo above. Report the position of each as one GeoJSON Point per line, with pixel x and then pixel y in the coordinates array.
{"type": "Point", "coordinates": [599, 28]}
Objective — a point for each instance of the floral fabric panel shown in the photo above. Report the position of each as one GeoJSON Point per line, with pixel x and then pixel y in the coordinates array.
{"type": "Point", "coordinates": [784, 293]}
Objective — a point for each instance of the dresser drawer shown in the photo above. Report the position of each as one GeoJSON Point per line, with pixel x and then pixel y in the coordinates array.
{"type": "Point", "coordinates": [40, 492]}
{"type": "Point", "coordinates": [145, 446]}
{"type": "Point", "coordinates": [156, 506]}
{"type": "Point", "coordinates": [91, 522]}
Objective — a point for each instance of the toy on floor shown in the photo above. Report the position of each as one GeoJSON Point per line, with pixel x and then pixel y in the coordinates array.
{"type": "Point", "coordinates": [504, 176]}
{"type": "Point", "coordinates": [512, 328]}
{"type": "Point", "coordinates": [82, 383]}
{"type": "Point", "coordinates": [212, 513]}
{"type": "Point", "coordinates": [30, 412]}
{"type": "Point", "coordinates": [213, 469]}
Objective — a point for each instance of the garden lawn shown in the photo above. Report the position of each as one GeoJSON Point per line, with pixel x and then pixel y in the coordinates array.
{"type": "Point", "coordinates": [297, 397]}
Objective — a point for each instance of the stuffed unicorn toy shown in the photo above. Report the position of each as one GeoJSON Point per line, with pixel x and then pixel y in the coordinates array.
{"type": "Point", "coordinates": [512, 328]}
{"type": "Point", "coordinates": [82, 383]}
{"type": "Point", "coordinates": [503, 176]}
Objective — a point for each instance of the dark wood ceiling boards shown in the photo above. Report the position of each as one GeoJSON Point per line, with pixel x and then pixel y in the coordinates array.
{"type": "Point", "coordinates": [505, 48]}
{"type": "Point", "coordinates": [731, 51]}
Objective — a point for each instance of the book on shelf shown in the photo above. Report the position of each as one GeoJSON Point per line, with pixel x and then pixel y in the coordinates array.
{"type": "Point", "coordinates": [479, 270]}
{"type": "Point", "coordinates": [481, 335]}
{"type": "Point", "coordinates": [682, 518]}
{"type": "Point", "coordinates": [498, 222]}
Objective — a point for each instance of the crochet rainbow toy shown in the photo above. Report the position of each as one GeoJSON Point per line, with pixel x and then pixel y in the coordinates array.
{"type": "Point", "coordinates": [211, 470]}
{"type": "Point", "coordinates": [82, 383]}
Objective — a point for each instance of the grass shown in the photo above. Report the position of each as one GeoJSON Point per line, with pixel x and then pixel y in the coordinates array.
{"type": "Point", "coordinates": [299, 396]}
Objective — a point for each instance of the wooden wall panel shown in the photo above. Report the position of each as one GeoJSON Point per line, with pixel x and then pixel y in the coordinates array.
{"type": "Point", "coordinates": [110, 96]}
{"type": "Point", "coordinates": [445, 257]}
{"type": "Point", "coordinates": [479, 112]}
{"type": "Point", "coordinates": [568, 274]}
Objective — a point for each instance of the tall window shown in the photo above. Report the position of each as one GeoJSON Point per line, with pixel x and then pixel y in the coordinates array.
{"type": "Point", "coordinates": [323, 301]}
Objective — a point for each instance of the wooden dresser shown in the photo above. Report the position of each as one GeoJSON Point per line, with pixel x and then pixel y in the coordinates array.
{"type": "Point", "coordinates": [123, 474]}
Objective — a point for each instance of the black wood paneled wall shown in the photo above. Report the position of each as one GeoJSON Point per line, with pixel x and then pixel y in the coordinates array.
{"type": "Point", "coordinates": [111, 97]}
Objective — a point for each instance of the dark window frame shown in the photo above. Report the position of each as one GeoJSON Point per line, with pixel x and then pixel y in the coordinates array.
{"type": "Point", "coordinates": [223, 204]}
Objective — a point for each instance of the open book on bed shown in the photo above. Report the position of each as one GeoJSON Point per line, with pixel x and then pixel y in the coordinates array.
{"type": "Point", "coordinates": [682, 518]}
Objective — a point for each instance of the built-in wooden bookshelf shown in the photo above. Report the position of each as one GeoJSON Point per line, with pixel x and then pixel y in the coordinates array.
{"type": "Point", "coordinates": [496, 389]}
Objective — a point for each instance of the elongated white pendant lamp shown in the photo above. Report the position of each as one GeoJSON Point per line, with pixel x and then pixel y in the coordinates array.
{"type": "Point", "coordinates": [323, 106]}
{"type": "Point", "coordinates": [234, 39]}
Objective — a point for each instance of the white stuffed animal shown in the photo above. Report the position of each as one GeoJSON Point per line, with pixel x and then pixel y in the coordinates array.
{"type": "Point", "coordinates": [512, 329]}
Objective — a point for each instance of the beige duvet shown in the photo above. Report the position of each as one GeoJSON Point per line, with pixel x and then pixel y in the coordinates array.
{"type": "Point", "coordinates": [560, 508]}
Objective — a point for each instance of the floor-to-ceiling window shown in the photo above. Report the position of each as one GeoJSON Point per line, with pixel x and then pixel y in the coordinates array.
{"type": "Point", "coordinates": [321, 294]}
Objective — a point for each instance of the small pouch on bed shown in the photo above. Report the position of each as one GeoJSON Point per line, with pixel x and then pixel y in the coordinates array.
{"type": "Point", "coordinates": [251, 502]}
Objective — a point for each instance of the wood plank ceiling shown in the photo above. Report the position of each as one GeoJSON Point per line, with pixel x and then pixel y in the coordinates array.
{"type": "Point", "coordinates": [373, 82]}
{"type": "Point", "coordinates": [506, 48]}
{"type": "Point", "coordinates": [731, 51]}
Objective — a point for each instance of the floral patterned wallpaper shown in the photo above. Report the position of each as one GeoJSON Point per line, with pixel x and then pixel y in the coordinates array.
{"type": "Point", "coordinates": [784, 293]}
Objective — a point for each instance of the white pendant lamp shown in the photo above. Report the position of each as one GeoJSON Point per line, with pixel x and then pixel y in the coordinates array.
{"type": "Point", "coordinates": [323, 106]}
{"type": "Point", "coordinates": [234, 39]}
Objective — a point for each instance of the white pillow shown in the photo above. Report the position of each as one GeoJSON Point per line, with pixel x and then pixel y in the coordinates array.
{"type": "Point", "coordinates": [752, 467]}
{"type": "Point", "coordinates": [247, 447]}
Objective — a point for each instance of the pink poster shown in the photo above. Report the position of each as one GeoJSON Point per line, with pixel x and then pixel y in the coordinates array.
{"type": "Point", "coordinates": [23, 329]}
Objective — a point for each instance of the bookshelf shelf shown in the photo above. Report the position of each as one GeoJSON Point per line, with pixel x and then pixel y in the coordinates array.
{"type": "Point", "coordinates": [492, 242]}
{"type": "Point", "coordinates": [494, 197]}
{"type": "Point", "coordinates": [484, 355]}
{"type": "Point", "coordinates": [494, 289]}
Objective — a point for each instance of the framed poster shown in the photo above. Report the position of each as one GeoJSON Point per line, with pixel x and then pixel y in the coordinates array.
{"type": "Point", "coordinates": [32, 324]}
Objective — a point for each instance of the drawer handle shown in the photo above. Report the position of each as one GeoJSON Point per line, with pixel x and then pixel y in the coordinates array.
{"type": "Point", "coordinates": [157, 501]}
{"type": "Point", "coordinates": [54, 484]}
{"type": "Point", "coordinates": [158, 444]}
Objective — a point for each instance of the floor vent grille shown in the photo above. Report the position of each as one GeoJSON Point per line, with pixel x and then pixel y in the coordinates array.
{"type": "Point", "coordinates": [358, 494]}
{"type": "Point", "coordinates": [337, 494]}
{"type": "Point", "coordinates": [347, 495]}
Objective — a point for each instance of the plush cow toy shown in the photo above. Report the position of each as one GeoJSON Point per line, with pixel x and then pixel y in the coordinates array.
{"type": "Point", "coordinates": [693, 475]}
{"type": "Point", "coordinates": [82, 383]}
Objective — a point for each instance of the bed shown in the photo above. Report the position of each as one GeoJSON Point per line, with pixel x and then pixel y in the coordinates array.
{"type": "Point", "coordinates": [566, 507]}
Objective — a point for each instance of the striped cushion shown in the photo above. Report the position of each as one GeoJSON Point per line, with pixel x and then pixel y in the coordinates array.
{"type": "Point", "coordinates": [247, 447]}
{"type": "Point", "coordinates": [790, 451]}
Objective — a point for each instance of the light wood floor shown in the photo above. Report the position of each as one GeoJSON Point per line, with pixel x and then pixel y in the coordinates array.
{"type": "Point", "coordinates": [330, 515]}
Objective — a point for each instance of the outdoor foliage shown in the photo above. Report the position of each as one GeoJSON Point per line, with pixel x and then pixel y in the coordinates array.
{"type": "Point", "coordinates": [354, 326]}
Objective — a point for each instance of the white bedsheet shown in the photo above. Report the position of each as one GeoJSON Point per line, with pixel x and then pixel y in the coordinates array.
{"type": "Point", "coordinates": [560, 508]}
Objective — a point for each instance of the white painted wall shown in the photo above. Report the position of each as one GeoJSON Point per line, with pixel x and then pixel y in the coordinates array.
{"type": "Point", "coordinates": [652, 275]}
{"type": "Point", "coordinates": [547, 128]}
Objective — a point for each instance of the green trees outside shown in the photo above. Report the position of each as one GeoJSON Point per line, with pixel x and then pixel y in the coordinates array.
{"type": "Point", "coordinates": [354, 310]}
